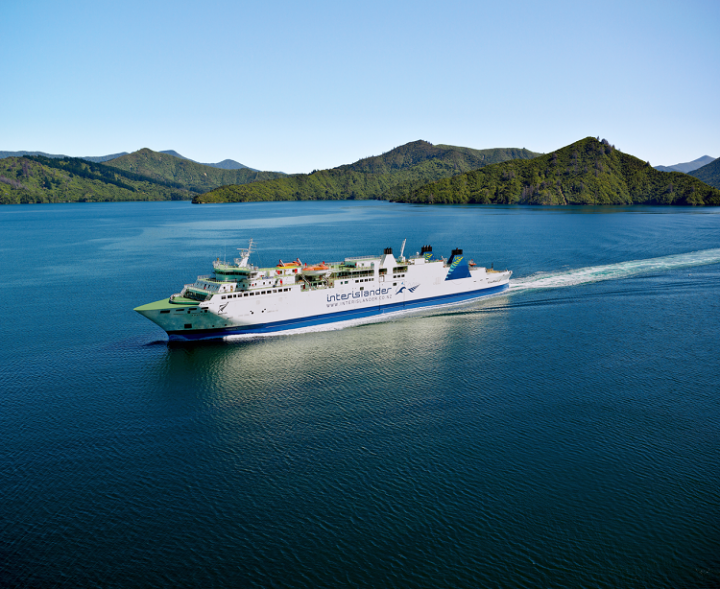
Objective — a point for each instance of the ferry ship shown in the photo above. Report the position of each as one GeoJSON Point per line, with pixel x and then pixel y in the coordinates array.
{"type": "Point", "coordinates": [239, 298]}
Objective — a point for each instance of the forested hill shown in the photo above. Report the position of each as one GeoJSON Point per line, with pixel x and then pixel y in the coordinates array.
{"type": "Point", "coordinates": [39, 179]}
{"type": "Point", "coordinates": [710, 174]}
{"type": "Point", "coordinates": [412, 154]}
{"type": "Point", "coordinates": [91, 158]}
{"type": "Point", "coordinates": [588, 172]}
{"type": "Point", "coordinates": [387, 176]}
{"type": "Point", "coordinates": [192, 175]}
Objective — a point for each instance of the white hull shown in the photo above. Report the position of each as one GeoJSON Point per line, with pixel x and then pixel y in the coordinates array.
{"type": "Point", "coordinates": [373, 286]}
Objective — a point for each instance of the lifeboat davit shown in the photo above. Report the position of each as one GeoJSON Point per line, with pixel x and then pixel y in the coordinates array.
{"type": "Point", "coordinates": [317, 270]}
{"type": "Point", "coordinates": [294, 266]}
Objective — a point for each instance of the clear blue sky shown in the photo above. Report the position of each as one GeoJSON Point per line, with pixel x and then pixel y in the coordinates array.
{"type": "Point", "coordinates": [293, 86]}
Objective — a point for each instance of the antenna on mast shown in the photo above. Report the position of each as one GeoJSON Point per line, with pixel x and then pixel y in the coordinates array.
{"type": "Point", "coordinates": [242, 261]}
{"type": "Point", "coordinates": [402, 249]}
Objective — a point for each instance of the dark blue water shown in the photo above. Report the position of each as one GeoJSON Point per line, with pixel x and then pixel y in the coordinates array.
{"type": "Point", "coordinates": [564, 434]}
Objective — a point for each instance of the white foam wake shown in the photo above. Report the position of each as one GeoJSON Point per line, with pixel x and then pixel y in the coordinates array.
{"type": "Point", "coordinates": [540, 280]}
{"type": "Point", "coordinates": [615, 271]}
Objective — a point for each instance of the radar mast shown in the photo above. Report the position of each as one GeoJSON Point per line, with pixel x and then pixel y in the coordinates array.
{"type": "Point", "coordinates": [242, 261]}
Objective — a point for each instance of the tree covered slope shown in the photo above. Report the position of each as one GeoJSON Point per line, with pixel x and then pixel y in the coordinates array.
{"type": "Point", "coordinates": [386, 176]}
{"type": "Point", "coordinates": [39, 179]}
{"type": "Point", "coordinates": [710, 174]}
{"type": "Point", "coordinates": [588, 172]}
{"type": "Point", "coordinates": [191, 175]}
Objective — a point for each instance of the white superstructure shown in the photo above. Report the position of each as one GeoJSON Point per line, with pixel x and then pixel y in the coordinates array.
{"type": "Point", "coordinates": [243, 299]}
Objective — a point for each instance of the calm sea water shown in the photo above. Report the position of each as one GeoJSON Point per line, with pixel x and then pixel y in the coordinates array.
{"type": "Point", "coordinates": [563, 434]}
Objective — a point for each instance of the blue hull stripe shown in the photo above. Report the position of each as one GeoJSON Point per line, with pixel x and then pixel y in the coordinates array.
{"type": "Point", "coordinates": [301, 322]}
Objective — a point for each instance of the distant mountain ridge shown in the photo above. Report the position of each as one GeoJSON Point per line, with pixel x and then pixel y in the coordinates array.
{"type": "Point", "coordinates": [91, 158]}
{"type": "Point", "coordinates": [143, 175]}
{"type": "Point", "coordinates": [193, 176]}
{"type": "Point", "coordinates": [710, 174]}
{"type": "Point", "coordinates": [587, 172]}
{"type": "Point", "coordinates": [687, 167]}
{"type": "Point", "coordinates": [393, 173]}
{"type": "Point", "coordinates": [226, 164]}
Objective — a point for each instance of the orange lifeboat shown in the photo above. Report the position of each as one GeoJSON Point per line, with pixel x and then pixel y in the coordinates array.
{"type": "Point", "coordinates": [288, 266]}
{"type": "Point", "coordinates": [317, 270]}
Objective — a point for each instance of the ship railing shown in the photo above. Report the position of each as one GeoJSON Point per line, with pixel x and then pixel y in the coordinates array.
{"type": "Point", "coordinates": [314, 285]}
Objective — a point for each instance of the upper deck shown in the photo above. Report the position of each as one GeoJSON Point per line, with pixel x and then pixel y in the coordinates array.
{"type": "Point", "coordinates": [296, 275]}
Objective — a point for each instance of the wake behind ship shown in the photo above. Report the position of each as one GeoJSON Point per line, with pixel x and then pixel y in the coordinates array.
{"type": "Point", "coordinates": [240, 298]}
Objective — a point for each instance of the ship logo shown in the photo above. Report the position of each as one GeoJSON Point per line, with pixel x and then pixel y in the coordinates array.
{"type": "Point", "coordinates": [409, 289]}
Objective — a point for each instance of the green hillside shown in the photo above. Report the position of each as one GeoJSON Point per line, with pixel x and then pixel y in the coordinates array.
{"type": "Point", "coordinates": [92, 158]}
{"type": "Point", "coordinates": [710, 173]}
{"type": "Point", "coordinates": [588, 172]}
{"type": "Point", "coordinates": [38, 179]}
{"type": "Point", "coordinates": [192, 175]}
{"type": "Point", "coordinates": [386, 176]}
{"type": "Point", "coordinates": [412, 154]}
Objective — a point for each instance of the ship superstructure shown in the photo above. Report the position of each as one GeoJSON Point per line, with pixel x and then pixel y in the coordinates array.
{"type": "Point", "coordinates": [239, 298]}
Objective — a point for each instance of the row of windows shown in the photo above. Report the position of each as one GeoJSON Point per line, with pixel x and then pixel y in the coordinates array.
{"type": "Point", "coordinates": [251, 294]}
{"type": "Point", "coordinates": [398, 275]}
{"type": "Point", "coordinates": [361, 280]}
{"type": "Point", "coordinates": [353, 274]}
